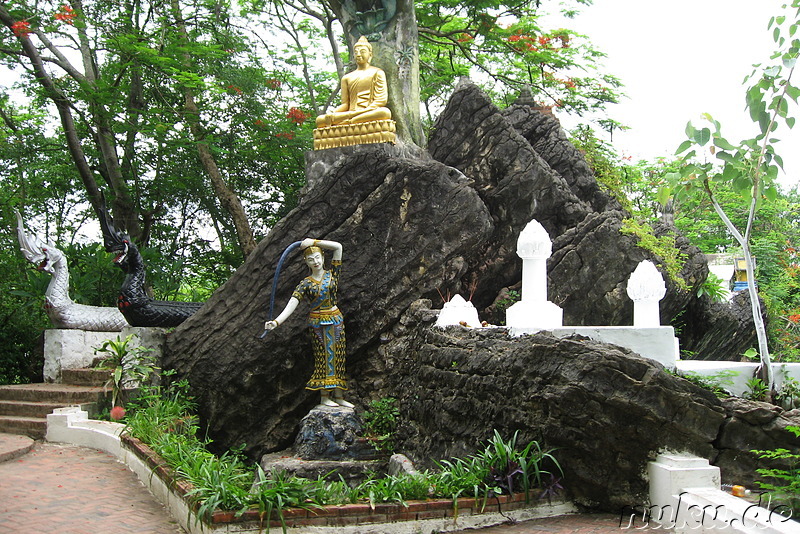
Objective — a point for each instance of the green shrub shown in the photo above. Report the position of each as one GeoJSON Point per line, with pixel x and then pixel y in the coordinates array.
{"type": "Point", "coordinates": [715, 382]}
{"type": "Point", "coordinates": [163, 418]}
{"type": "Point", "coordinates": [380, 422]}
{"type": "Point", "coordinates": [782, 483]}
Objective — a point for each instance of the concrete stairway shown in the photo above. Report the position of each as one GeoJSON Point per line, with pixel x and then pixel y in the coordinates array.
{"type": "Point", "coordinates": [24, 407]}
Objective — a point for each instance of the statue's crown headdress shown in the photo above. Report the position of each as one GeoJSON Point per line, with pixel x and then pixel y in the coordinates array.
{"type": "Point", "coordinates": [311, 250]}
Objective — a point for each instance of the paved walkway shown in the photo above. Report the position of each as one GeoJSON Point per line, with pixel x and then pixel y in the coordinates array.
{"type": "Point", "coordinates": [570, 524]}
{"type": "Point", "coordinates": [47, 487]}
{"type": "Point", "coordinates": [74, 490]}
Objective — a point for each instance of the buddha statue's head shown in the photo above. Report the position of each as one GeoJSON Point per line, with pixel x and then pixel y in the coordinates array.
{"type": "Point", "coordinates": [362, 51]}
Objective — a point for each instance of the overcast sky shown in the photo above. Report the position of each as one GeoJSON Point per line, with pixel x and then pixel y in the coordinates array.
{"type": "Point", "coordinates": [680, 59]}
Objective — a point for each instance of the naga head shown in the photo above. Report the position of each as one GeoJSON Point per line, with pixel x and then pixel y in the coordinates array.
{"type": "Point", "coordinates": [114, 241]}
{"type": "Point", "coordinates": [42, 256]}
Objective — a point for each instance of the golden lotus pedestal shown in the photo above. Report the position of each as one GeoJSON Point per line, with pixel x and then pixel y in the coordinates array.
{"type": "Point", "coordinates": [354, 134]}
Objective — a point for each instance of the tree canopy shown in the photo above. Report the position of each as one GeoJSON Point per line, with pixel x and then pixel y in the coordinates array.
{"type": "Point", "coordinates": [192, 117]}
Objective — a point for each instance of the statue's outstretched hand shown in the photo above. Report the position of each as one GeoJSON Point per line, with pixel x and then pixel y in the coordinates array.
{"type": "Point", "coordinates": [270, 325]}
{"type": "Point", "coordinates": [307, 242]}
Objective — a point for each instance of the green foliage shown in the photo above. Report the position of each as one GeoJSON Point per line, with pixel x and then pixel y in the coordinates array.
{"type": "Point", "coordinates": [716, 383]}
{"type": "Point", "coordinates": [504, 43]}
{"type": "Point", "coordinates": [605, 163]}
{"type": "Point", "coordinates": [785, 335]}
{"type": "Point", "coordinates": [788, 395]}
{"type": "Point", "coordinates": [663, 247]}
{"type": "Point", "coordinates": [129, 367]}
{"type": "Point", "coordinates": [508, 299]}
{"type": "Point", "coordinates": [782, 481]}
{"type": "Point", "coordinates": [159, 410]}
{"type": "Point", "coordinates": [756, 390]}
{"type": "Point", "coordinates": [512, 470]}
{"type": "Point", "coordinates": [162, 418]}
{"type": "Point", "coordinates": [714, 287]}
{"type": "Point", "coordinates": [380, 421]}
{"type": "Point", "coordinates": [632, 186]}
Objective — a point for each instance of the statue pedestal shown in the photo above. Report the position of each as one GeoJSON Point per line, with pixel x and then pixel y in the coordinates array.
{"type": "Point", "coordinates": [74, 349]}
{"type": "Point", "coordinates": [328, 445]}
{"type": "Point", "coordinates": [361, 133]}
{"type": "Point", "coordinates": [332, 434]}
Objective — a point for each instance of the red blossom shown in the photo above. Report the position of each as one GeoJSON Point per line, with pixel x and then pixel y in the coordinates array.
{"type": "Point", "coordinates": [65, 14]}
{"type": "Point", "coordinates": [464, 38]}
{"type": "Point", "coordinates": [117, 413]}
{"type": "Point", "coordinates": [235, 89]}
{"type": "Point", "coordinates": [544, 40]}
{"type": "Point", "coordinates": [287, 135]}
{"type": "Point", "coordinates": [795, 318]}
{"type": "Point", "coordinates": [258, 123]}
{"type": "Point", "coordinates": [21, 28]}
{"type": "Point", "coordinates": [297, 116]}
{"type": "Point", "coordinates": [273, 83]}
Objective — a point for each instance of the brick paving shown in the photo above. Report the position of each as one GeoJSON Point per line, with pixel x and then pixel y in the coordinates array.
{"type": "Point", "coordinates": [75, 490]}
{"type": "Point", "coordinates": [571, 524]}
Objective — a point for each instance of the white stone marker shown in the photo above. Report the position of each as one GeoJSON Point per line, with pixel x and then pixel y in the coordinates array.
{"type": "Point", "coordinates": [534, 310]}
{"type": "Point", "coordinates": [456, 311]}
{"type": "Point", "coordinates": [646, 288]}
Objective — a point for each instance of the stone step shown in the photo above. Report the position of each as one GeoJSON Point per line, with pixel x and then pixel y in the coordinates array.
{"type": "Point", "coordinates": [33, 427]}
{"type": "Point", "coordinates": [28, 408]}
{"type": "Point", "coordinates": [64, 394]}
{"type": "Point", "coordinates": [85, 377]}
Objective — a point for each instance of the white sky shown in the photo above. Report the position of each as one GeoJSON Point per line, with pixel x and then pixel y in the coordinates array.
{"type": "Point", "coordinates": [680, 59]}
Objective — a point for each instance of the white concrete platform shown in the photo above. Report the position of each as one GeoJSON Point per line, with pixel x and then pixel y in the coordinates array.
{"type": "Point", "coordinates": [733, 376]}
{"type": "Point", "coordinates": [657, 343]}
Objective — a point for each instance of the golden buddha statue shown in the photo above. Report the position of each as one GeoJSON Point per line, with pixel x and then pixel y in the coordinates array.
{"type": "Point", "coordinates": [363, 116]}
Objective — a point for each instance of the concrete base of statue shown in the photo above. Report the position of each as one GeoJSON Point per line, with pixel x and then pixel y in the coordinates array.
{"type": "Point", "coordinates": [352, 471]}
{"type": "Point", "coordinates": [75, 349]}
{"type": "Point", "coordinates": [534, 315]}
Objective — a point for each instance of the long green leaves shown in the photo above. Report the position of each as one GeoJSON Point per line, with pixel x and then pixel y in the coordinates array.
{"type": "Point", "coordinates": [163, 419]}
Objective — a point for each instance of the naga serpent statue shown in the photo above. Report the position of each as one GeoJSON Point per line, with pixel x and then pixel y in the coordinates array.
{"type": "Point", "coordinates": [136, 305]}
{"type": "Point", "coordinates": [63, 312]}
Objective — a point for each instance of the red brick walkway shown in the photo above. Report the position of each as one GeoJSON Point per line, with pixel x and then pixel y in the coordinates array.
{"type": "Point", "coordinates": [74, 490]}
{"type": "Point", "coordinates": [570, 524]}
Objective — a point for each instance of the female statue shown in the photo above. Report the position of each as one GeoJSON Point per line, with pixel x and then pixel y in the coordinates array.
{"type": "Point", "coordinates": [325, 321]}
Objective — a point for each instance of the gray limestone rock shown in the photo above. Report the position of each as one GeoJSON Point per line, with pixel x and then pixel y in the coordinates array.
{"type": "Point", "coordinates": [605, 411]}
{"type": "Point", "coordinates": [331, 434]}
{"type": "Point", "coordinates": [406, 226]}
{"type": "Point", "coordinates": [411, 226]}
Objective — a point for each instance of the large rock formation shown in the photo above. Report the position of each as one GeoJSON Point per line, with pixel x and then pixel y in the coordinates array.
{"type": "Point", "coordinates": [406, 226]}
{"type": "Point", "coordinates": [606, 410]}
{"type": "Point", "coordinates": [410, 226]}
{"type": "Point", "coordinates": [525, 168]}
